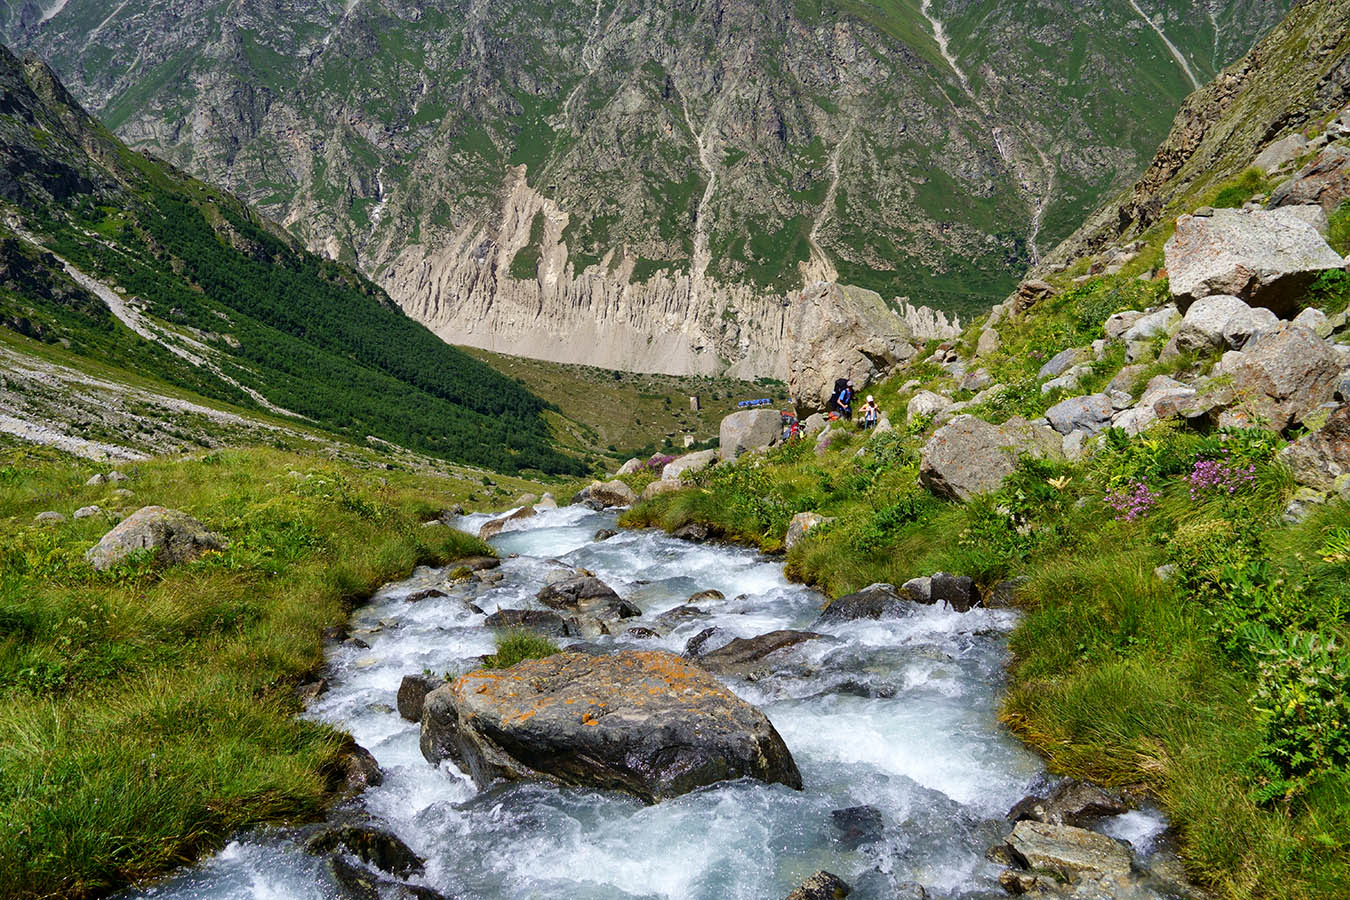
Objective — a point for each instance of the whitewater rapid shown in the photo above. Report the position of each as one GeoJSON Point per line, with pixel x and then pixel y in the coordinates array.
{"type": "Point", "coordinates": [899, 715]}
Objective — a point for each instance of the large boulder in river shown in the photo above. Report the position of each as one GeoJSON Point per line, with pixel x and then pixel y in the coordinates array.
{"type": "Point", "coordinates": [969, 456]}
{"type": "Point", "coordinates": [644, 722]}
{"type": "Point", "coordinates": [604, 494]}
{"type": "Point", "coordinates": [498, 525]}
{"type": "Point", "coordinates": [749, 429]}
{"type": "Point", "coordinates": [748, 657]}
{"type": "Point", "coordinates": [837, 331]}
{"type": "Point", "coordinates": [173, 536]}
{"type": "Point", "coordinates": [1266, 257]}
{"type": "Point", "coordinates": [1278, 379]}
{"type": "Point", "coordinates": [1070, 854]}
{"type": "Point", "coordinates": [876, 601]}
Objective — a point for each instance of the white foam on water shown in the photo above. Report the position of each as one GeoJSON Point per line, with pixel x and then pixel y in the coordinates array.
{"type": "Point", "coordinates": [899, 714]}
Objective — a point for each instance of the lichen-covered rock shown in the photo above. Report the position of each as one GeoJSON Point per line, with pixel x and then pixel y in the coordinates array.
{"type": "Point", "coordinates": [1266, 257]}
{"type": "Point", "coordinates": [837, 331]}
{"type": "Point", "coordinates": [1278, 379]}
{"type": "Point", "coordinates": [1321, 457]}
{"type": "Point", "coordinates": [821, 886]}
{"type": "Point", "coordinates": [801, 523]}
{"type": "Point", "coordinates": [644, 722]}
{"type": "Point", "coordinates": [749, 429]}
{"type": "Point", "coordinates": [690, 462]}
{"type": "Point", "coordinates": [969, 456]}
{"type": "Point", "coordinates": [605, 494]}
{"type": "Point", "coordinates": [173, 536]}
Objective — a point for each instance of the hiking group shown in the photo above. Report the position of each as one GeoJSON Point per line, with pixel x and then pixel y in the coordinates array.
{"type": "Point", "coordinates": [841, 404]}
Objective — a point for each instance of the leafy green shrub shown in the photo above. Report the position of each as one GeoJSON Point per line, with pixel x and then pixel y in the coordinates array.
{"type": "Point", "coordinates": [1251, 605]}
{"type": "Point", "coordinates": [1303, 691]}
{"type": "Point", "coordinates": [1238, 190]}
{"type": "Point", "coordinates": [518, 645]}
{"type": "Point", "coordinates": [877, 530]}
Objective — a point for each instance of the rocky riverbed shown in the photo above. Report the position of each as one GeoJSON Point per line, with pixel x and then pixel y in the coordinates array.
{"type": "Point", "coordinates": [907, 778]}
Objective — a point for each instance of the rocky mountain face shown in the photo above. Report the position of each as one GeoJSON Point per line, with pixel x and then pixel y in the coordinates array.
{"type": "Point", "coordinates": [1275, 105]}
{"type": "Point", "coordinates": [641, 185]}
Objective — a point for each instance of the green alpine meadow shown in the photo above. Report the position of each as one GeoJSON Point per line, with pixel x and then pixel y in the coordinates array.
{"type": "Point", "coordinates": [634, 451]}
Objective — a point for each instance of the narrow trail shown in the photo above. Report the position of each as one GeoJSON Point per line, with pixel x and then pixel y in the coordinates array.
{"type": "Point", "coordinates": [698, 268]}
{"type": "Point", "coordinates": [1171, 48]}
{"type": "Point", "coordinates": [1214, 22]}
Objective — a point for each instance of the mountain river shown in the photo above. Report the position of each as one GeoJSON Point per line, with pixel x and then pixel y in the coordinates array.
{"type": "Point", "coordinates": [897, 714]}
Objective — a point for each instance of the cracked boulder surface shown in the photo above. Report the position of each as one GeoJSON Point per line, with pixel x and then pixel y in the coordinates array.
{"type": "Point", "coordinates": [644, 722]}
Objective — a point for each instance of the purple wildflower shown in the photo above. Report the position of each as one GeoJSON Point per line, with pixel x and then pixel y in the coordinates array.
{"type": "Point", "coordinates": [1132, 501]}
{"type": "Point", "coordinates": [1219, 476]}
{"type": "Point", "coordinates": [659, 462]}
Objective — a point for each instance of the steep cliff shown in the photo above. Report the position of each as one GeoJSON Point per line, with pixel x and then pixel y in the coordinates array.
{"type": "Point", "coordinates": [684, 165]}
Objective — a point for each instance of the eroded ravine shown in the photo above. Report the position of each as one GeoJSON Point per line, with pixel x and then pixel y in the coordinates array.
{"type": "Point", "coordinates": [897, 714]}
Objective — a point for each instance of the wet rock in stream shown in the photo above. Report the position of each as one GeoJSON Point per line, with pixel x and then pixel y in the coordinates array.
{"type": "Point", "coordinates": [536, 620]}
{"type": "Point", "coordinates": [748, 657]}
{"type": "Point", "coordinates": [821, 886]}
{"type": "Point", "coordinates": [644, 722]}
{"type": "Point", "coordinates": [412, 691]}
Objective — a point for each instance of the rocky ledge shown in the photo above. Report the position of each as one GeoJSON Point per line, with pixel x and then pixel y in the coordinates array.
{"type": "Point", "coordinates": [644, 722]}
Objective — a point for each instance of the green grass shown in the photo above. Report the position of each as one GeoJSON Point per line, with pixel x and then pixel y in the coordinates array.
{"type": "Point", "coordinates": [518, 645]}
{"type": "Point", "coordinates": [148, 712]}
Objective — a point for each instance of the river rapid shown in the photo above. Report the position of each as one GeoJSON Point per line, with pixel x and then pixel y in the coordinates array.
{"type": "Point", "coordinates": [899, 715]}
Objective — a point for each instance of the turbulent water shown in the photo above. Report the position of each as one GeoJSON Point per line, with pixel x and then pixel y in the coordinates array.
{"type": "Point", "coordinates": [899, 715]}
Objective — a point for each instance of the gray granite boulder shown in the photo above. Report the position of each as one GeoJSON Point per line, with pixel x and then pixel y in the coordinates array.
{"type": "Point", "coordinates": [690, 462]}
{"type": "Point", "coordinates": [173, 536]}
{"type": "Point", "coordinates": [1321, 458]}
{"type": "Point", "coordinates": [969, 456]}
{"type": "Point", "coordinates": [749, 429]}
{"type": "Point", "coordinates": [1266, 257]}
{"type": "Point", "coordinates": [1090, 413]}
{"type": "Point", "coordinates": [1278, 379]}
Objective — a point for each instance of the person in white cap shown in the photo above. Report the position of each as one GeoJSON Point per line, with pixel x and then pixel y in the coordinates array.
{"type": "Point", "coordinates": [871, 413]}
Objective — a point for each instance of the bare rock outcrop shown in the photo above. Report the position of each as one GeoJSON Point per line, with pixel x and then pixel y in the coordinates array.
{"type": "Point", "coordinates": [836, 331]}
{"type": "Point", "coordinates": [644, 722]}
{"type": "Point", "coordinates": [1266, 257]}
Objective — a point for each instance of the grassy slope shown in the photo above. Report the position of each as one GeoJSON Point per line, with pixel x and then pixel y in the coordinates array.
{"type": "Point", "coordinates": [625, 410]}
{"type": "Point", "coordinates": [1197, 688]}
{"type": "Point", "coordinates": [149, 712]}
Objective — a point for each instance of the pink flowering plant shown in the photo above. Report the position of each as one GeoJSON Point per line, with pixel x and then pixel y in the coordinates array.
{"type": "Point", "coordinates": [1222, 476]}
{"type": "Point", "coordinates": [1132, 501]}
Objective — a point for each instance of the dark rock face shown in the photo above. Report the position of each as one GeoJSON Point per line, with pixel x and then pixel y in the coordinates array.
{"type": "Point", "coordinates": [858, 825]}
{"type": "Point", "coordinates": [1076, 803]}
{"type": "Point", "coordinates": [498, 525]}
{"type": "Point", "coordinates": [1004, 595]}
{"type": "Point", "coordinates": [694, 532]}
{"type": "Point", "coordinates": [429, 594]}
{"type": "Point", "coordinates": [746, 657]}
{"type": "Point", "coordinates": [604, 534]}
{"type": "Point", "coordinates": [371, 845]}
{"type": "Point", "coordinates": [411, 692]}
{"type": "Point", "coordinates": [1323, 456]}
{"type": "Point", "coordinates": [709, 596]}
{"type": "Point", "coordinates": [705, 642]}
{"type": "Point", "coordinates": [957, 591]}
{"type": "Point", "coordinates": [673, 618]}
{"type": "Point", "coordinates": [357, 883]}
{"type": "Point", "coordinates": [644, 722]}
{"type": "Point", "coordinates": [1325, 181]}
{"type": "Point", "coordinates": [821, 886]}
{"type": "Point", "coordinates": [877, 601]}
{"type": "Point", "coordinates": [355, 769]}
{"type": "Point", "coordinates": [539, 620]}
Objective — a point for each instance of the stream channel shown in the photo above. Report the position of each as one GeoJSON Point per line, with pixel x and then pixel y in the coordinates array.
{"type": "Point", "coordinates": [896, 714]}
